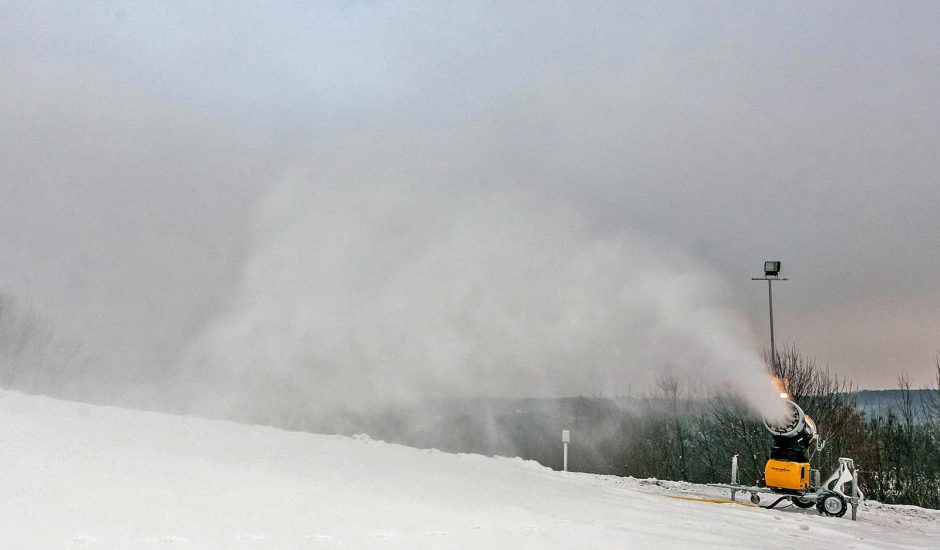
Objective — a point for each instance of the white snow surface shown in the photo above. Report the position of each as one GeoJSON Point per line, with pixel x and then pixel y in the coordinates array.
{"type": "Point", "coordinates": [80, 476]}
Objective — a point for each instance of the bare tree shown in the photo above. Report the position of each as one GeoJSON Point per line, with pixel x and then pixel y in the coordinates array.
{"type": "Point", "coordinates": [32, 359]}
{"type": "Point", "coordinates": [932, 401]}
{"type": "Point", "coordinates": [904, 402]}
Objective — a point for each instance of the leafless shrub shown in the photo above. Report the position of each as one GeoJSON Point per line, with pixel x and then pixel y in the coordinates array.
{"type": "Point", "coordinates": [32, 359]}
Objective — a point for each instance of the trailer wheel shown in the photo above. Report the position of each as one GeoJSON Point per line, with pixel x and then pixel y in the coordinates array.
{"type": "Point", "coordinates": [755, 498]}
{"type": "Point", "coordinates": [831, 504]}
{"type": "Point", "coordinates": [802, 502]}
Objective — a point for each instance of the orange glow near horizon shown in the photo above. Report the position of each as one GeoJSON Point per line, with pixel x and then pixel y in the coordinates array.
{"type": "Point", "coordinates": [781, 385]}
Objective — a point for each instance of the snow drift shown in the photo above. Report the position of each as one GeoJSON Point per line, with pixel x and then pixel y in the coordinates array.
{"type": "Point", "coordinates": [81, 476]}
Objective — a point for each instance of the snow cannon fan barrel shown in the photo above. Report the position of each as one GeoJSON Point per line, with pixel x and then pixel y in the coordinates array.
{"type": "Point", "coordinates": [788, 468]}
{"type": "Point", "coordinates": [795, 425]}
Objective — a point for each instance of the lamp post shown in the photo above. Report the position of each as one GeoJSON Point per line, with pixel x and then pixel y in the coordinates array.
{"type": "Point", "coordinates": [771, 274]}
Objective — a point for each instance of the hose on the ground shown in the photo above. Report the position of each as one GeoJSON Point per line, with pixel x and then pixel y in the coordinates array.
{"type": "Point", "coordinates": [776, 502]}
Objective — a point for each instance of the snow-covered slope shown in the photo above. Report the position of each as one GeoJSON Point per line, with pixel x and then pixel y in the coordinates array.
{"type": "Point", "coordinates": [81, 476]}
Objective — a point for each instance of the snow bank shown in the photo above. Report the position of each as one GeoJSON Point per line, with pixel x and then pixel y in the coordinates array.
{"type": "Point", "coordinates": [80, 476]}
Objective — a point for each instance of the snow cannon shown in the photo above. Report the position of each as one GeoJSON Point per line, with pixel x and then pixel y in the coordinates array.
{"type": "Point", "coordinates": [788, 467]}
{"type": "Point", "coordinates": [787, 474]}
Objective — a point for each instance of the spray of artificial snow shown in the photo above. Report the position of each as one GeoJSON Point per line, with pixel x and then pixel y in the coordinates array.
{"type": "Point", "coordinates": [388, 274]}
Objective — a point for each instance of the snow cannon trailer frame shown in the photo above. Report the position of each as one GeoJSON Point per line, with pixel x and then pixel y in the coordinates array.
{"type": "Point", "coordinates": [789, 475]}
{"type": "Point", "coordinates": [829, 499]}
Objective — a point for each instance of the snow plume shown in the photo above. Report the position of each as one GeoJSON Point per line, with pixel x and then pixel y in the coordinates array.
{"type": "Point", "coordinates": [391, 271]}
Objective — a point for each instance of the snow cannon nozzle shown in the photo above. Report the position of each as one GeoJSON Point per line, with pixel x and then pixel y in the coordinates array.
{"type": "Point", "coordinates": [793, 424]}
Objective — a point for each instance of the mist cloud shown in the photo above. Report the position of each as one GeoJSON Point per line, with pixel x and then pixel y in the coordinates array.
{"type": "Point", "coordinates": [396, 268]}
{"type": "Point", "coordinates": [169, 177]}
{"type": "Point", "coordinates": [124, 217]}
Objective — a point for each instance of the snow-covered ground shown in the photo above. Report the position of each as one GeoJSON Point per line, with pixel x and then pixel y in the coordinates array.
{"type": "Point", "coordinates": [81, 476]}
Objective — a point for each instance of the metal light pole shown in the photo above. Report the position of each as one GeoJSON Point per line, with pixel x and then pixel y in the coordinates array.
{"type": "Point", "coordinates": [771, 274]}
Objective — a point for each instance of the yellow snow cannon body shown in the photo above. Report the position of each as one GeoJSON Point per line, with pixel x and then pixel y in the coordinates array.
{"type": "Point", "coordinates": [786, 475]}
{"type": "Point", "coordinates": [788, 468]}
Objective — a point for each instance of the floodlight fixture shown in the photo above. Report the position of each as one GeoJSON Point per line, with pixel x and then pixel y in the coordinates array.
{"type": "Point", "coordinates": [771, 268]}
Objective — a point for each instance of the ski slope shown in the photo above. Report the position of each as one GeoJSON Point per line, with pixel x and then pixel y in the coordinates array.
{"type": "Point", "coordinates": [81, 476]}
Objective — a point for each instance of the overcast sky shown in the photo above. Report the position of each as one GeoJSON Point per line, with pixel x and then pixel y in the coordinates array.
{"type": "Point", "coordinates": [138, 140]}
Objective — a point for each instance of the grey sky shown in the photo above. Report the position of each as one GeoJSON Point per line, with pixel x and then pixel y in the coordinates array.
{"type": "Point", "coordinates": [137, 140]}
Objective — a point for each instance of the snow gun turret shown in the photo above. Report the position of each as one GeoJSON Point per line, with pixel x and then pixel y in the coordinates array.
{"type": "Point", "coordinates": [788, 468]}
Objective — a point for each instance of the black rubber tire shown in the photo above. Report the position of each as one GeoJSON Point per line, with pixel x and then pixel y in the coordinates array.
{"type": "Point", "coordinates": [831, 504]}
{"type": "Point", "coordinates": [755, 498]}
{"type": "Point", "coordinates": [802, 503]}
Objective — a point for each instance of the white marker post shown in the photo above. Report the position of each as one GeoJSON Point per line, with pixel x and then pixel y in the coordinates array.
{"type": "Point", "coordinates": [734, 475]}
{"type": "Point", "coordinates": [565, 438]}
